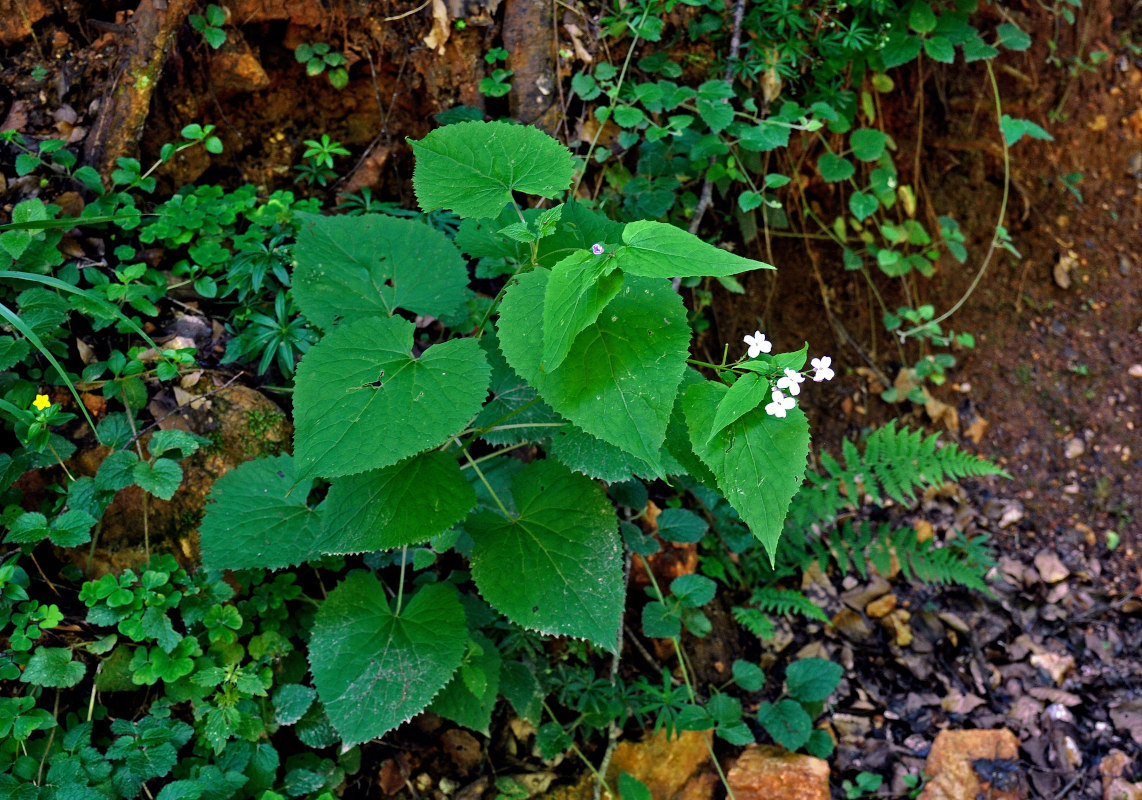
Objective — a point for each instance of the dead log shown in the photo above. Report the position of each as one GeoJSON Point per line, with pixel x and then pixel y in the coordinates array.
{"type": "Point", "coordinates": [124, 110]}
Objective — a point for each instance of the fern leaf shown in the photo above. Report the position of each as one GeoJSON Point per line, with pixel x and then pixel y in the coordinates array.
{"type": "Point", "coordinates": [786, 602]}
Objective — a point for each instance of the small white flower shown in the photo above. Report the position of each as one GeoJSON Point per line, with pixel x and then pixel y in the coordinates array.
{"type": "Point", "coordinates": [597, 249]}
{"type": "Point", "coordinates": [757, 344]}
{"type": "Point", "coordinates": [821, 370]}
{"type": "Point", "coordinates": [791, 382]}
{"type": "Point", "coordinates": [780, 404]}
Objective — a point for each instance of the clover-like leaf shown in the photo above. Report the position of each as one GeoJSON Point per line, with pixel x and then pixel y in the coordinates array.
{"type": "Point", "coordinates": [371, 265]}
{"type": "Point", "coordinates": [620, 377]}
{"type": "Point", "coordinates": [53, 667]}
{"type": "Point", "coordinates": [161, 478]}
{"type": "Point", "coordinates": [375, 667]}
{"type": "Point", "coordinates": [472, 168]}
{"type": "Point", "coordinates": [257, 516]}
{"type": "Point", "coordinates": [407, 503]}
{"type": "Point", "coordinates": [555, 565]}
{"type": "Point", "coordinates": [363, 402]}
{"type": "Point", "coordinates": [758, 460]}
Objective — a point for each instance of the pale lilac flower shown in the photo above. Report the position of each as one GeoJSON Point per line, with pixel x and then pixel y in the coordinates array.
{"type": "Point", "coordinates": [791, 382]}
{"type": "Point", "coordinates": [821, 370]}
{"type": "Point", "coordinates": [597, 249]}
{"type": "Point", "coordinates": [780, 404]}
{"type": "Point", "coordinates": [757, 344]}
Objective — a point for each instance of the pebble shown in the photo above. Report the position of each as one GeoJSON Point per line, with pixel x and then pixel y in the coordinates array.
{"type": "Point", "coordinates": [1124, 265]}
{"type": "Point", "coordinates": [1135, 371]}
{"type": "Point", "coordinates": [1134, 165]}
{"type": "Point", "coordinates": [1074, 448]}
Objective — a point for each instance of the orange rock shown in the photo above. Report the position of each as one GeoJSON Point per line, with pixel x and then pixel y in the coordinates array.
{"type": "Point", "coordinates": [664, 765]}
{"type": "Point", "coordinates": [881, 606]}
{"type": "Point", "coordinates": [953, 775]}
{"type": "Point", "coordinates": [771, 773]}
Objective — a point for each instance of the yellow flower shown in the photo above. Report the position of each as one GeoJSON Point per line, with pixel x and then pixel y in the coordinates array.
{"type": "Point", "coordinates": [42, 402]}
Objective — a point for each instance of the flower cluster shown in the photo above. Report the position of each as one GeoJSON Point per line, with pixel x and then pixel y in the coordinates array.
{"type": "Point", "coordinates": [789, 384]}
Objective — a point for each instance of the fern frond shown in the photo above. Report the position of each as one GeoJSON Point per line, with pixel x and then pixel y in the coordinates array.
{"type": "Point", "coordinates": [754, 621]}
{"type": "Point", "coordinates": [784, 602]}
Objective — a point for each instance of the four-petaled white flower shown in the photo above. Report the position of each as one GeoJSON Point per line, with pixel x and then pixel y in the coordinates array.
{"type": "Point", "coordinates": [597, 249]}
{"type": "Point", "coordinates": [791, 382]}
{"type": "Point", "coordinates": [821, 370]}
{"type": "Point", "coordinates": [757, 344]}
{"type": "Point", "coordinates": [780, 404]}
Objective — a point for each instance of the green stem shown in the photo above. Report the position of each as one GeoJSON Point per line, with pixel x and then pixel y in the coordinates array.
{"type": "Point", "coordinates": [483, 480]}
{"type": "Point", "coordinates": [400, 581]}
{"type": "Point", "coordinates": [994, 246]}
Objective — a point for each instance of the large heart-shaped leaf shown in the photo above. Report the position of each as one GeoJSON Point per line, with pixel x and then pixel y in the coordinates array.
{"type": "Point", "coordinates": [363, 402]}
{"type": "Point", "coordinates": [472, 168]}
{"type": "Point", "coordinates": [351, 267]}
{"type": "Point", "coordinates": [514, 406]}
{"type": "Point", "coordinates": [620, 377]}
{"type": "Point", "coordinates": [758, 460]}
{"type": "Point", "coordinates": [375, 668]}
{"type": "Point", "coordinates": [661, 250]}
{"type": "Point", "coordinates": [257, 517]}
{"type": "Point", "coordinates": [555, 566]}
{"type": "Point", "coordinates": [407, 503]}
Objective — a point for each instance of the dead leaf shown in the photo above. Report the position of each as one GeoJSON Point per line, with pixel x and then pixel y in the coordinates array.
{"type": "Point", "coordinates": [1127, 716]}
{"type": "Point", "coordinates": [1053, 695]}
{"type": "Point", "coordinates": [1050, 568]}
{"type": "Point", "coordinates": [441, 29]}
{"type": "Point", "coordinates": [86, 351]}
{"type": "Point", "coordinates": [1055, 665]}
{"type": "Point", "coordinates": [581, 52]}
{"type": "Point", "coordinates": [941, 412]}
{"type": "Point", "coordinates": [976, 430]}
{"type": "Point", "coordinates": [956, 702]}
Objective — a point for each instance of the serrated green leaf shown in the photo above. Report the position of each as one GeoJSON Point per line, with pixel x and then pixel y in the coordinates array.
{"type": "Point", "coordinates": [407, 503]}
{"type": "Point", "coordinates": [976, 49]}
{"type": "Point", "coordinates": [921, 18]}
{"type": "Point", "coordinates": [1015, 129]}
{"type": "Point", "coordinates": [374, 668]}
{"type": "Point", "coordinates": [661, 250]}
{"type": "Point", "coordinates": [811, 680]}
{"type": "Point", "coordinates": [117, 471]}
{"type": "Point", "coordinates": [467, 704]}
{"type": "Point", "coordinates": [787, 722]}
{"type": "Point", "coordinates": [748, 392]}
{"type": "Point", "coordinates": [659, 622]}
{"type": "Point", "coordinates": [185, 444]}
{"type": "Point", "coordinates": [579, 451]}
{"type": "Point", "coordinates": [868, 143]}
{"type": "Point", "coordinates": [555, 566]}
{"type": "Point", "coordinates": [161, 478]}
{"type": "Point", "coordinates": [371, 265]}
{"type": "Point", "coordinates": [758, 461]}
{"type": "Point", "coordinates": [513, 403]}
{"type": "Point", "coordinates": [715, 113]}
{"type": "Point", "coordinates": [940, 49]}
{"type": "Point", "coordinates": [291, 701]}
{"type": "Point", "coordinates": [681, 526]}
{"type": "Point", "coordinates": [472, 168]}
{"type": "Point", "coordinates": [578, 290]}
{"type": "Point", "coordinates": [900, 48]}
{"type": "Point", "coordinates": [621, 376]}
{"type": "Point", "coordinates": [29, 527]}
{"type": "Point", "coordinates": [353, 383]}
{"type": "Point", "coordinates": [257, 517]}
{"type": "Point", "coordinates": [833, 168]}
{"type": "Point", "coordinates": [72, 528]}
{"type": "Point", "coordinates": [12, 351]}
{"type": "Point", "coordinates": [748, 676]}
{"type": "Point", "coordinates": [1012, 37]}
{"type": "Point", "coordinates": [764, 136]}
{"type": "Point", "coordinates": [749, 200]}
{"type": "Point", "coordinates": [53, 667]}
{"type": "Point", "coordinates": [628, 116]}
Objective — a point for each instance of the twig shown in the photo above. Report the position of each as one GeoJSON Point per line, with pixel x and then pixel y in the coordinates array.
{"type": "Point", "coordinates": [420, 7]}
{"type": "Point", "coordinates": [181, 406]}
{"type": "Point", "coordinates": [707, 194]}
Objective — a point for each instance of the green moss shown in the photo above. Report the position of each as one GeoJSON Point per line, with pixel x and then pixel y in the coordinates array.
{"type": "Point", "coordinates": [258, 424]}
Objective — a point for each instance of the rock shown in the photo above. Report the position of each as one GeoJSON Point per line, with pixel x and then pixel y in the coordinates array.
{"type": "Point", "coordinates": [896, 623]}
{"type": "Point", "coordinates": [1135, 371]}
{"type": "Point", "coordinates": [955, 777]}
{"type": "Point", "coordinates": [17, 18]}
{"type": "Point", "coordinates": [664, 765]}
{"type": "Point", "coordinates": [771, 773]}
{"type": "Point", "coordinates": [241, 423]}
{"type": "Point", "coordinates": [881, 607]}
{"type": "Point", "coordinates": [1074, 448]}
{"type": "Point", "coordinates": [851, 625]}
{"type": "Point", "coordinates": [235, 69]}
